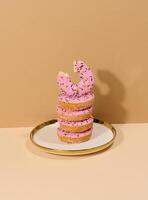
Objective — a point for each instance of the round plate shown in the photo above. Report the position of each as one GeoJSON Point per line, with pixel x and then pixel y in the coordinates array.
{"type": "Point", "coordinates": [45, 137]}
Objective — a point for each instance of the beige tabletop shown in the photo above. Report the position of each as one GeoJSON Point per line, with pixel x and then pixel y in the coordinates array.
{"type": "Point", "coordinates": [119, 173]}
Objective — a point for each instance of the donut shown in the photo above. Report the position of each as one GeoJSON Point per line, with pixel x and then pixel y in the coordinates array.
{"type": "Point", "coordinates": [76, 89]}
{"type": "Point", "coordinates": [73, 137]}
{"type": "Point", "coordinates": [74, 115]}
{"type": "Point", "coordinates": [76, 103]}
{"type": "Point", "coordinates": [76, 126]}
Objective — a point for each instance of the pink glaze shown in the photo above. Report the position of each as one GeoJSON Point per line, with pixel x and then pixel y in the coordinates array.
{"type": "Point", "coordinates": [83, 87]}
{"type": "Point", "coordinates": [77, 123]}
{"type": "Point", "coordinates": [63, 111]}
{"type": "Point", "coordinates": [76, 99]}
{"type": "Point", "coordinates": [73, 134]}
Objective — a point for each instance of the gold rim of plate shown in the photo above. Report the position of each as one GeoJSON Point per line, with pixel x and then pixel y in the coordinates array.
{"type": "Point", "coordinates": [72, 152]}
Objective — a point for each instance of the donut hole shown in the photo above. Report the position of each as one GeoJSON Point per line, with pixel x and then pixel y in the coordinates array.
{"type": "Point", "coordinates": [75, 78]}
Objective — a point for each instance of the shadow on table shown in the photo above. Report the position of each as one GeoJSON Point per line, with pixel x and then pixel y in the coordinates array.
{"type": "Point", "coordinates": [109, 106]}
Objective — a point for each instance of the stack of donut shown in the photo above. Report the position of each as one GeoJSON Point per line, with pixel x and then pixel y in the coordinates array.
{"type": "Point", "coordinates": [75, 103]}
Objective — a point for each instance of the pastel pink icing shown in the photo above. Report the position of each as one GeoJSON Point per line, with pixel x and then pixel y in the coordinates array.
{"type": "Point", "coordinates": [76, 89]}
{"type": "Point", "coordinates": [73, 112]}
{"type": "Point", "coordinates": [76, 99]}
{"type": "Point", "coordinates": [76, 123]}
{"type": "Point", "coordinates": [73, 134]}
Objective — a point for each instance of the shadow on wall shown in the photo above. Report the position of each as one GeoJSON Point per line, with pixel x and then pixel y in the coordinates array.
{"type": "Point", "coordinates": [108, 107]}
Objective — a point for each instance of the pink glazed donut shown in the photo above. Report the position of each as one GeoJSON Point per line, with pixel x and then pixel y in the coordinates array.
{"type": "Point", "coordinates": [74, 137]}
{"type": "Point", "coordinates": [75, 102]}
{"type": "Point", "coordinates": [74, 115]}
{"type": "Point", "coordinates": [76, 126]}
{"type": "Point", "coordinates": [85, 85]}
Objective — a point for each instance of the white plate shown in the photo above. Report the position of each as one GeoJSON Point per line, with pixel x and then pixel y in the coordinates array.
{"type": "Point", "coordinates": [45, 137]}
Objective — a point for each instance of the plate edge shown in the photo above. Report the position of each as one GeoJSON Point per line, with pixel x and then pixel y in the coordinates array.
{"type": "Point", "coordinates": [73, 152]}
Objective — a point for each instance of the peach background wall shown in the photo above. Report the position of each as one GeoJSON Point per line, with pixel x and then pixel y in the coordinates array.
{"type": "Point", "coordinates": [40, 38]}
